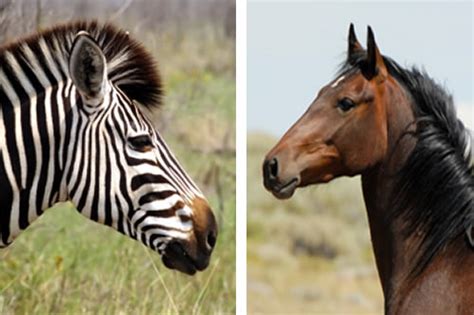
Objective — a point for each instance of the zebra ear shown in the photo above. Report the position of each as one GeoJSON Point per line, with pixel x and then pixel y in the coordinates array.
{"type": "Point", "coordinates": [87, 67]}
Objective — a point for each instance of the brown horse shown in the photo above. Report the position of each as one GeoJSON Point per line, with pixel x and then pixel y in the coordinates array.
{"type": "Point", "coordinates": [398, 129]}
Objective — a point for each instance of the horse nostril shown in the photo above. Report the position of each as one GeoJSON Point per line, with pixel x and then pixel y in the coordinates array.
{"type": "Point", "coordinates": [270, 173]}
{"type": "Point", "coordinates": [211, 239]}
{"type": "Point", "coordinates": [273, 168]}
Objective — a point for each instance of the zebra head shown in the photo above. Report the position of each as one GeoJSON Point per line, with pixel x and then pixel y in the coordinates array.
{"type": "Point", "coordinates": [126, 176]}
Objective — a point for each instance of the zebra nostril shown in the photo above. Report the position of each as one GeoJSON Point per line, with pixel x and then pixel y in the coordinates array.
{"type": "Point", "coordinates": [211, 239]}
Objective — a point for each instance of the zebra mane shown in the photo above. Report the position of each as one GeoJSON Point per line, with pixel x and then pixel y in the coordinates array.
{"type": "Point", "coordinates": [130, 67]}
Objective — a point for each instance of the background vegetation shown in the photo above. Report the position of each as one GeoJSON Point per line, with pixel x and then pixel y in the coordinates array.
{"type": "Point", "coordinates": [312, 253]}
{"type": "Point", "coordinates": [65, 263]}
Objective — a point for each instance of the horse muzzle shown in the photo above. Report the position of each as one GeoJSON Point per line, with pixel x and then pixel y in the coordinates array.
{"type": "Point", "coordinates": [279, 187]}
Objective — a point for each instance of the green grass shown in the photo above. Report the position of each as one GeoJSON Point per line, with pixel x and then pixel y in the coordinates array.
{"type": "Point", "coordinates": [311, 253]}
{"type": "Point", "coordinates": [64, 263]}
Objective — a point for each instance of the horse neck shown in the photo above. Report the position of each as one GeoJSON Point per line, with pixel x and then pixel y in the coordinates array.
{"type": "Point", "coordinates": [377, 184]}
{"type": "Point", "coordinates": [395, 252]}
{"type": "Point", "coordinates": [392, 252]}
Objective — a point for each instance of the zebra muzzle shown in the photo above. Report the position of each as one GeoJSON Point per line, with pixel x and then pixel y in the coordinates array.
{"type": "Point", "coordinates": [176, 257]}
{"type": "Point", "coordinates": [194, 253]}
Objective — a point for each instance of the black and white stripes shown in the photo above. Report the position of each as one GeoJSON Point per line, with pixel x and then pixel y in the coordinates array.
{"type": "Point", "coordinates": [70, 129]}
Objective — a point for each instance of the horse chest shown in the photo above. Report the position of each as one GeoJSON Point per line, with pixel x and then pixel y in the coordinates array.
{"type": "Point", "coordinates": [439, 292]}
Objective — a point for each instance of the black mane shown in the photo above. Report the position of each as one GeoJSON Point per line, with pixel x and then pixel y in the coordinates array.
{"type": "Point", "coordinates": [435, 188]}
{"type": "Point", "coordinates": [130, 66]}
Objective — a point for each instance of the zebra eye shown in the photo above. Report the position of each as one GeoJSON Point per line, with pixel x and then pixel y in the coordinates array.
{"type": "Point", "coordinates": [141, 143]}
{"type": "Point", "coordinates": [345, 104]}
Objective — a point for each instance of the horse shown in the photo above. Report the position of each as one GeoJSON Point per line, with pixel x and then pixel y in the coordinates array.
{"type": "Point", "coordinates": [398, 129]}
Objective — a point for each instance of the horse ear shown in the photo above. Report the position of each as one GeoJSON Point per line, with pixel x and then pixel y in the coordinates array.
{"type": "Point", "coordinates": [87, 68]}
{"type": "Point", "coordinates": [353, 44]}
{"type": "Point", "coordinates": [375, 64]}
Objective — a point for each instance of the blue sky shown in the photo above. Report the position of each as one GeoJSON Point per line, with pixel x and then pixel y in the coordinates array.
{"type": "Point", "coordinates": [294, 48]}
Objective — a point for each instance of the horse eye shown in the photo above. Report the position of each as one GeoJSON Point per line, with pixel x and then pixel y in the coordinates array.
{"type": "Point", "coordinates": [345, 104]}
{"type": "Point", "coordinates": [141, 143]}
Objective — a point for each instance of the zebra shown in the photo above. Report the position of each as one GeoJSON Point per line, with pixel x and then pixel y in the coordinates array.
{"type": "Point", "coordinates": [71, 129]}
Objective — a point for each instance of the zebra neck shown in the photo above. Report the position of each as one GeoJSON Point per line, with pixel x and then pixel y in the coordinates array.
{"type": "Point", "coordinates": [33, 125]}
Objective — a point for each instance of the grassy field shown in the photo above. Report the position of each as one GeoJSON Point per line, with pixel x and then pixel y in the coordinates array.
{"type": "Point", "coordinates": [310, 254]}
{"type": "Point", "coordinates": [66, 264]}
